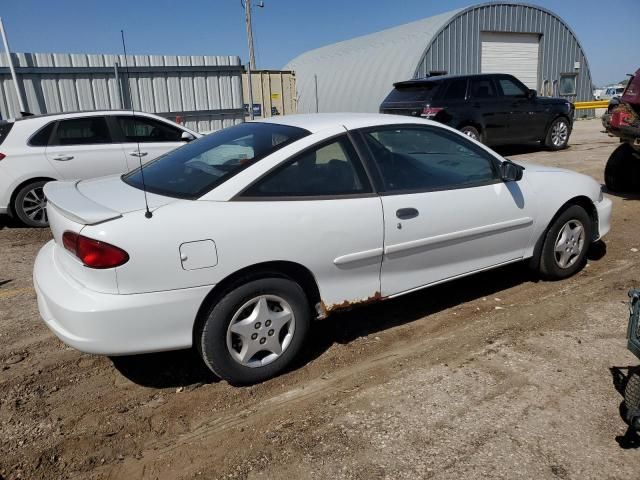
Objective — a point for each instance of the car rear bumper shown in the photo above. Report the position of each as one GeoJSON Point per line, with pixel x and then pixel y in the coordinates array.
{"type": "Point", "coordinates": [112, 324]}
{"type": "Point", "coordinates": [604, 209]}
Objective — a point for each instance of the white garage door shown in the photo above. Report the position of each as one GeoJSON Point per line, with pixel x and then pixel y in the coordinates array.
{"type": "Point", "coordinates": [512, 53]}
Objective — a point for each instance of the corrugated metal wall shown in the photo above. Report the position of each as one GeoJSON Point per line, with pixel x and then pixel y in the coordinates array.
{"type": "Point", "coordinates": [205, 91]}
{"type": "Point", "coordinates": [457, 47]}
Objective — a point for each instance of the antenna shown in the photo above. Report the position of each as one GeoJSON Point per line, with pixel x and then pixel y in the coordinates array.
{"type": "Point", "coordinates": [148, 213]}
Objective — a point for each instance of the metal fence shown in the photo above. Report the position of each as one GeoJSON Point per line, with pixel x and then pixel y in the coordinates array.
{"type": "Point", "coordinates": [204, 92]}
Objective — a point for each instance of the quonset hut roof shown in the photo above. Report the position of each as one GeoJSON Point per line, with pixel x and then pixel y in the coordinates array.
{"type": "Point", "coordinates": [372, 62]}
{"type": "Point", "coordinates": [355, 75]}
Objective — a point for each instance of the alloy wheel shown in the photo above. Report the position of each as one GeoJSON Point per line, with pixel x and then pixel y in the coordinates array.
{"type": "Point", "coordinates": [260, 331]}
{"type": "Point", "coordinates": [569, 243]}
{"type": "Point", "coordinates": [34, 206]}
{"type": "Point", "coordinates": [559, 133]}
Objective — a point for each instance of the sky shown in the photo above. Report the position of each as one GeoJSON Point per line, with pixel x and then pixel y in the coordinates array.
{"type": "Point", "coordinates": [283, 29]}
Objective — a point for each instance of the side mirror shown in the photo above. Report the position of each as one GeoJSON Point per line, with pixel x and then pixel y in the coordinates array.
{"type": "Point", "coordinates": [187, 137]}
{"type": "Point", "coordinates": [510, 172]}
{"type": "Point", "coordinates": [531, 94]}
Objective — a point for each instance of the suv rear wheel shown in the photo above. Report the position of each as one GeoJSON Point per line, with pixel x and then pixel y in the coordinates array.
{"type": "Point", "coordinates": [471, 132]}
{"type": "Point", "coordinates": [30, 204]}
{"type": "Point", "coordinates": [622, 172]}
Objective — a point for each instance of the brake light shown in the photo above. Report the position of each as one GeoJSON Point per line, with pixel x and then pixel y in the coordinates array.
{"type": "Point", "coordinates": [94, 253]}
{"type": "Point", "coordinates": [2, 156]}
{"type": "Point", "coordinates": [430, 112]}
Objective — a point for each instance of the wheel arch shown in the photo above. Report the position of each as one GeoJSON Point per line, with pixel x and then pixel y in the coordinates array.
{"type": "Point", "coordinates": [18, 187]}
{"type": "Point", "coordinates": [580, 200]}
{"type": "Point", "coordinates": [279, 268]}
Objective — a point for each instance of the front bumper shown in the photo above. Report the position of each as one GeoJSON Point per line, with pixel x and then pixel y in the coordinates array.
{"type": "Point", "coordinates": [112, 324]}
{"type": "Point", "coordinates": [604, 209]}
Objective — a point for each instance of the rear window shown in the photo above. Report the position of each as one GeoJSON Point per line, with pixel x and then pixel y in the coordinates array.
{"type": "Point", "coordinates": [5, 128]}
{"type": "Point", "coordinates": [412, 93]}
{"type": "Point", "coordinates": [201, 165]}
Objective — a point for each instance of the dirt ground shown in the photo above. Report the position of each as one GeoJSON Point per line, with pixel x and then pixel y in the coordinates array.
{"type": "Point", "coordinates": [499, 375]}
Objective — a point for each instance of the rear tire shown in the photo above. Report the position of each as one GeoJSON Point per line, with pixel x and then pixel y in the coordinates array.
{"type": "Point", "coordinates": [622, 172]}
{"type": "Point", "coordinates": [472, 132]}
{"type": "Point", "coordinates": [557, 137]}
{"type": "Point", "coordinates": [30, 205]}
{"type": "Point", "coordinates": [566, 243]}
{"type": "Point", "coordinates": [255, 331]}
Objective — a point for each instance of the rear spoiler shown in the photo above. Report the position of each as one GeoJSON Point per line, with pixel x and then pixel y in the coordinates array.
{"type": "Point", "coordinates": [68, 200]}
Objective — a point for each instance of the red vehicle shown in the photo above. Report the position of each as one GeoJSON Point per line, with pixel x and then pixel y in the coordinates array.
{"type": "Point", "coordinates": [622, 172]}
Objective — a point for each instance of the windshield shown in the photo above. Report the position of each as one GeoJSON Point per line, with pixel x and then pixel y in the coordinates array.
{"type": "Point", "coordinates": [201, 165]}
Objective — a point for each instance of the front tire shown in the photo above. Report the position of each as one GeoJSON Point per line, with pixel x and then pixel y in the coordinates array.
{"type": "Point", "coordinates": [557, 137]}
{"type": "Point", "coordinates": [564, 250]}
{"type": "Point", "coordinates": [255, 330]}
{"type": "Point", "coordinates": [30, 205]}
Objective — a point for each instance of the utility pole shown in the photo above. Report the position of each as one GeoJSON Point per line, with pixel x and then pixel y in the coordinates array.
{"type": "Point", "coordinates": [252, 58]}
{"type": "Point", "coordinates": [11, 68]}
{"type": "Point", "coordinates": [247, 12]}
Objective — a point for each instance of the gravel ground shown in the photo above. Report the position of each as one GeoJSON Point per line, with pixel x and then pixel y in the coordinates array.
{"type": "Point", "coordinates": [499, 375]}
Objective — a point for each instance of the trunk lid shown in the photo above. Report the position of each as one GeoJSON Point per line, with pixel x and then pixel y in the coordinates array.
{"type": "Point", "coordinates": [89, 202]}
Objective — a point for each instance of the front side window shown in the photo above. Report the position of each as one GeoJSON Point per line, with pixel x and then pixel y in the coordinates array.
{"type": "Point", "coordinates": [81, 131]}
{"type": "Point", "coordinates": [330, 169]}
{"type": "Point", "coordinates": [201, 165]}
{"type": "Point", "coordinates": [482, 88]}
{"type": "Point", "coordinates": [418, 159]}
{"type": "Point", "coordinates": [511, 89]}
{"type": "Point", "coordinates": [145, 130]}
{"type": "Point", "coordinates": [568, 84]}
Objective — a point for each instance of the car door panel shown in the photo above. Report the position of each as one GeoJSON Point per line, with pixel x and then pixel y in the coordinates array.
{"type": "Point", "coordinates": [83, 148]}
{"type": "Point", "coordinates": [446, 210]}
{"type": "Point", "coordinates": [457, 232]}
{"type": "Point", "coordinates": [145, 139]}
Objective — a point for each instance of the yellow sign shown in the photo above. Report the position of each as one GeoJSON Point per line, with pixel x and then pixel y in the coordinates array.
{"type": "Point", "coordinates": [275, 96]}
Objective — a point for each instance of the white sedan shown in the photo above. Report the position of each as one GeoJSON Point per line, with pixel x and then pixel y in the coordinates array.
{"type": "Point", "coordinates": [255, 230]}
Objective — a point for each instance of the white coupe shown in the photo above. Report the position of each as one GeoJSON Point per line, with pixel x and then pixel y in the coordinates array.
{"type": "Point", "coordinates": [255, 230]}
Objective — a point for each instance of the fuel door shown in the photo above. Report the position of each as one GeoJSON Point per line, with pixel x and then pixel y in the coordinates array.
{"type": "Point", "coordinates": [198, 254]}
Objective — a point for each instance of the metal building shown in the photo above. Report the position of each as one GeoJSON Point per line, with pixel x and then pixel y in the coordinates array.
{"type": "Point", "coordinates": [527, 41]}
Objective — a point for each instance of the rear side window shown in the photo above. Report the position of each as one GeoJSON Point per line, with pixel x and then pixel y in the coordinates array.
{"type": "Point", "coordinates": [82, 131]}
{"type": "Point", "coordinates": [5, 128]}
{"type": "Point", "coordinates": [482, 88]}
{"type": "Point", "coordinates": [329, 169]}
{"type": "Point", "coordinates": [456, 90]}
{"type": "Point", "coordinates": [145, 130]}
{"type": "Point", "coordinates": [42, 136]}
{"type": "Point", "coordinates": [412, 93]}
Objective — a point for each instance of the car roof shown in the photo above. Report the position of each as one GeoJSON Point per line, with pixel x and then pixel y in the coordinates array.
{"type": "Point", "coordinates": [80, 113]}
{"type": "Point", "coordinates": [316, 122]}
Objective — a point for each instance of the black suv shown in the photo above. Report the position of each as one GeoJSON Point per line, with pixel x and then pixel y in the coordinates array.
{"type": "Point", "coordinates": [493, 108]}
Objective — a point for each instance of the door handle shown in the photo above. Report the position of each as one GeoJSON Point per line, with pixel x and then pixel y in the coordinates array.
{"type": "Point", "coordinates": [137, 153]}
{"type": "Point", "coordinates": [406, 213]}
{"type": "Point", "coordinates": [63, 158]}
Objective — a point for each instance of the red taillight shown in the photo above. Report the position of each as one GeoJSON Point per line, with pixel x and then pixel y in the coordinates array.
{"type": "Point", "coordinates": [94, 253]}
{"type": "Point", "coordinates": [430, 112]}
{"type": "Point", "coordinates": [2, 156]}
